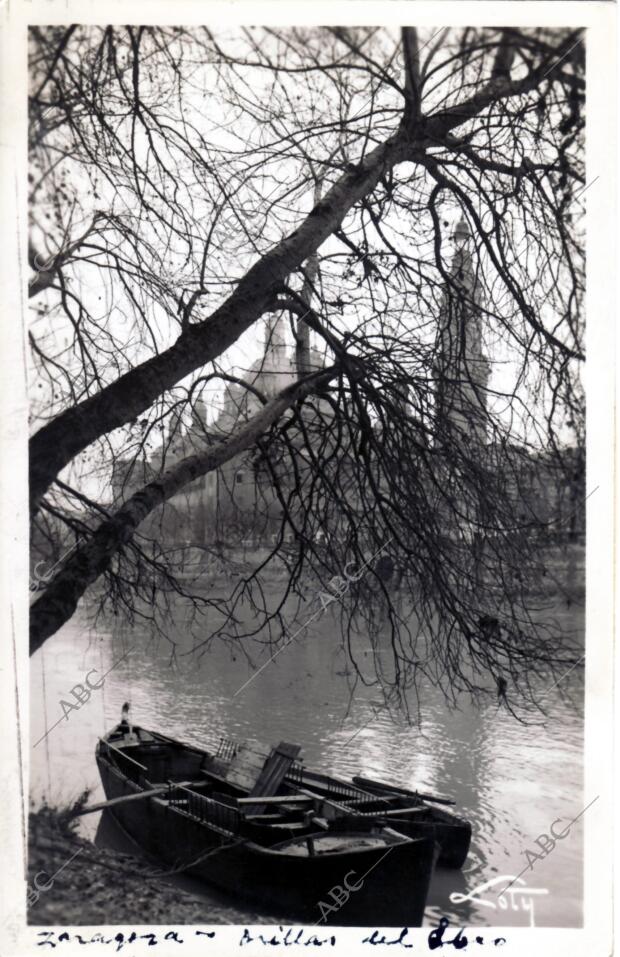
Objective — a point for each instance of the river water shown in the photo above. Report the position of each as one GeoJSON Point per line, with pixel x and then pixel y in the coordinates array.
{"type": "Point", "coordinates": [511, 781]}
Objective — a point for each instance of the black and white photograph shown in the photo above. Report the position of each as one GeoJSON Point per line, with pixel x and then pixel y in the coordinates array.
{"type": "Point", "coordinates": [303, 365]}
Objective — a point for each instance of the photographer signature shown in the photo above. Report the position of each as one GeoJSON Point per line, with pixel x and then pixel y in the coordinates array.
{"type": "Point", "coordinates": [521, 897]}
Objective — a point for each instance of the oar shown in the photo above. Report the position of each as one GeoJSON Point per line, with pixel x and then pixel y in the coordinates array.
{"type": "Point", "coordinates": [124, 798]}
{"type": "Point", "coordinates": [390, 788]}
{"type": "Point", "coordinates": [396, 812]}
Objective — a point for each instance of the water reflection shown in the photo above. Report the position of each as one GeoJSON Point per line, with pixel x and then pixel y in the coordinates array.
{"type": "Point", "coordinates": [510, 781]}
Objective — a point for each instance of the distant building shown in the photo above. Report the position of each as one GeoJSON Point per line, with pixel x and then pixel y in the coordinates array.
{"type": "Point", "coordinates": [242, 503]}
{"type": "Point", "coordinates": [461, 370]}
{"type": "Point", "coordinates": [238, 503]}
{"type": "Point", "coordinates": [546, 489]}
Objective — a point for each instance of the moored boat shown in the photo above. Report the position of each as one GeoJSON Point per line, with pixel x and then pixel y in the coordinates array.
{"type": "Point", "coordinates": [362, 800]}
{"type": "Point", "coordinates": [407, 811]}
{"type": "Point", "coordinates": [185, 806]}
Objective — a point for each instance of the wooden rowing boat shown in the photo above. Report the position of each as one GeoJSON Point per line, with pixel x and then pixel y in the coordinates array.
{"type": "Point", "coordinates": [356, 802]}
{"type": "Point", "coordinates": [393, 804]}
{"type": "Point", "coordinates": [206, 817]}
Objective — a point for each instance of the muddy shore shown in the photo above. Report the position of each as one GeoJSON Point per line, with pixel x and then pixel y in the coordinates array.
{"type": "Point", "coordinates": [80, 883]}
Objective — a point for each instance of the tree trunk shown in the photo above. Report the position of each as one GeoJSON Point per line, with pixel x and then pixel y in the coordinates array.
{"type": "Point", "coordinates": [302, 330]}
{"type": "Point", "coordinates": [54, 446]}
{"type": "Point", "coordinates": [60, 598]}
{"type": "Point", "coordinates": [58, 442]}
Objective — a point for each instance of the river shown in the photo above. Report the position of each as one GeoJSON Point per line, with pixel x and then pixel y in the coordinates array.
{"type": "Point", "coordinates": [511, 781]}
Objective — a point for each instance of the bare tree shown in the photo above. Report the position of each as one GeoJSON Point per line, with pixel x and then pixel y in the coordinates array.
{"type": "Point", "coordinates": [187, 185]}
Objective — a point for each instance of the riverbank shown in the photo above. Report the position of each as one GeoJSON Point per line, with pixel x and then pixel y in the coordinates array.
{"type": "Point", "coordinates": [506, 777]}
{"type": "Point", "coordinates": [80, 883]}
{"type": "Point", "coordinates": [562, 574]}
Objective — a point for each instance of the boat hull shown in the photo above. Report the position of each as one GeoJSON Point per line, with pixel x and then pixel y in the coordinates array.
{"type": "Point", "coordinates": [382, 886]}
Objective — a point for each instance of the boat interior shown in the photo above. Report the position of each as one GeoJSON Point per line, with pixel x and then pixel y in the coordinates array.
{"type": "Point", "coordinates": [198, 784]}
{"type": "Point", "coordinates": [151, 759]}
{"type": "Point", "coordinates": [145, 756]}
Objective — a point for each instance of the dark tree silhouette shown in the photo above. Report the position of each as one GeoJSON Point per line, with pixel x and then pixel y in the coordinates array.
{"type": "Point", "coordinates": [187, 185]}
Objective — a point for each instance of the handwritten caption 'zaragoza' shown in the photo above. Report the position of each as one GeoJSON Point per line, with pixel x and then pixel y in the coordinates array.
{"type": "Point", "coordinates": [289, 937]}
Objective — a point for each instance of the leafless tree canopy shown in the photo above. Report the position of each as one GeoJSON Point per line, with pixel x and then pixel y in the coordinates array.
{"type": "Point", "coordinates": [186, 185]}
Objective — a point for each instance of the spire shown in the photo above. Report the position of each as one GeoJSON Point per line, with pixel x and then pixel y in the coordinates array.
{"type": "Point", "coordinates": [461, 368]}
{"type": "Point", "coordinates": [462, 261]}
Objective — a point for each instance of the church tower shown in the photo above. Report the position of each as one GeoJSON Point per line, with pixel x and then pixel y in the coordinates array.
{"type": "Point", "coordinates": [276, 368]}
{"type": "Point", "coordinates": [461, 371]}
